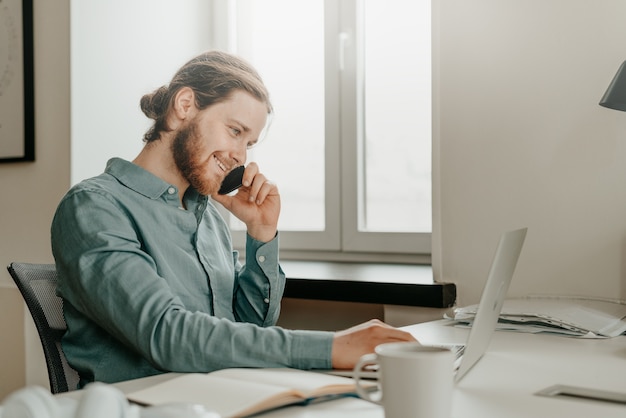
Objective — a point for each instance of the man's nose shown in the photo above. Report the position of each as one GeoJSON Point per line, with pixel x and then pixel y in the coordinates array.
{"type": "Point", "coordinates": [239, 155]}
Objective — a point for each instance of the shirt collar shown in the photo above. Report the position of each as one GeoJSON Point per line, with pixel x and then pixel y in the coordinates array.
{"type": "Point", "coordinates": [136, 178]}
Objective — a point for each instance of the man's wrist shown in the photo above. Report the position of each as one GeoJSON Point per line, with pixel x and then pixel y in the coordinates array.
{"type": "Point", "coordinates": [262, 234]}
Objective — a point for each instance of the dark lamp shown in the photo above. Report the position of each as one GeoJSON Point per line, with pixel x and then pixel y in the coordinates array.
{"type": "Point", "coordinates": [615, 96]}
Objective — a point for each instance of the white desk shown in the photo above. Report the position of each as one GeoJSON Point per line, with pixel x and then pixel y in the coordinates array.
{"type": "Point", "coordinates": [503, 383]}
{"type": "Point", "coordinates": [517, 365]}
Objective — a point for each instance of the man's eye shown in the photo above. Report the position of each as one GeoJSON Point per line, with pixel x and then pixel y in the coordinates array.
{"type": "Point", "coordinates": [235, 131]}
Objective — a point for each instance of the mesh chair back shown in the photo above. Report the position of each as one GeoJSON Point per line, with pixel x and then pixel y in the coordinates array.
{"type": "Point", "coordinates": [37, 283]}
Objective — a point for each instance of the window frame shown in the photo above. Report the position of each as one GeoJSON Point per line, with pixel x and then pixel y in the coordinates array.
{"type": "Point", "coordinates": [341, 240]}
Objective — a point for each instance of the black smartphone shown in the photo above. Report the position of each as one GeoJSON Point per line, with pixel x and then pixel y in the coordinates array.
{"type": "Point", "coordinates": [232, 181]}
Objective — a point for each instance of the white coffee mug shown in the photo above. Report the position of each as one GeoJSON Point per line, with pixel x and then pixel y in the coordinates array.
{"type": "Point", "coordinates": [415, 381]}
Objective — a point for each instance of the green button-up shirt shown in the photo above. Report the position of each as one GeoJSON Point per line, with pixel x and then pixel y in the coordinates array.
{"type": "Point", "coordinates": [149, 286]}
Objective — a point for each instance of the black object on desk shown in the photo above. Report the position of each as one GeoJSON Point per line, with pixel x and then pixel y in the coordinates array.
{"type": "Point", "coordinates": [379, 284]}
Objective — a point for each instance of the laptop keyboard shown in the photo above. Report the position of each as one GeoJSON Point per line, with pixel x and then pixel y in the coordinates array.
{"type": "Point", "coordinates": [457, 349]}
{"type": "Point", "coordinates": [371, 371]}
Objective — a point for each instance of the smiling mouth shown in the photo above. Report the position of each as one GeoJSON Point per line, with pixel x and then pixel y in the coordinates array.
{"type": "Point", "coordinates": [221, 165]}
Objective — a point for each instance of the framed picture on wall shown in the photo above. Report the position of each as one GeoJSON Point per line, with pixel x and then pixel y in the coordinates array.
{"type": "Point", "coordinates": [17, 93]}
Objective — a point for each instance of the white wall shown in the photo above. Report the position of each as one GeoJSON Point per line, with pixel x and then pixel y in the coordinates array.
{"type": "Point", "coordinates": [522, 142]}
{"type": "Point", "coordinates": [122, 50]}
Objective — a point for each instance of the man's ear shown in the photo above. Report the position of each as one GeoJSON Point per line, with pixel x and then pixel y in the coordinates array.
{"type": "Point", "coordinates": [184, 103]}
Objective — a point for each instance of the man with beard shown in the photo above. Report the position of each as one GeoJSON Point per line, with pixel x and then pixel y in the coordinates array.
{"type": "Point", "coordinates": [147, 273]}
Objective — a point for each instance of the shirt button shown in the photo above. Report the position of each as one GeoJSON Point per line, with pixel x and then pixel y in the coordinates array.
{"type": "Point", "coordinates": [262, 259]}
{"type": "Point", "coordinates": [266, 300]}
{"type": "Point", "coordinates": [171, 190]}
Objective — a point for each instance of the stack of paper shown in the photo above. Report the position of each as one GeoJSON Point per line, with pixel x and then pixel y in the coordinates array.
{"type": "Point", "coordinates": [573, 316]}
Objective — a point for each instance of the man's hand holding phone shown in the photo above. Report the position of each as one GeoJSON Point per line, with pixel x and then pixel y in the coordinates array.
{"type": "Point", "coordinates": [256, 203]}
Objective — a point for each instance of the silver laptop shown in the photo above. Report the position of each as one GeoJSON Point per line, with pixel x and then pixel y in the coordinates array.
{"type": "Point", "coordinates": [490, 305]}
{"type": "Point", "coordinates": [489, 308]}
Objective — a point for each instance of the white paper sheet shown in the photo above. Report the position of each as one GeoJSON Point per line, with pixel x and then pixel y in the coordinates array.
{"type": "Point", "coordinates": [558, 314]}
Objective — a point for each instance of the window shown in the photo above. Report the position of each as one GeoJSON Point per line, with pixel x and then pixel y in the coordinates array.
{"type": "Point", "coordinates": [350, 141]}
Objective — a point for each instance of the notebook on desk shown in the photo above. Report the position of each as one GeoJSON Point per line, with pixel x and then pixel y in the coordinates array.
{"type": "Point", "coordinates": [495, 290]}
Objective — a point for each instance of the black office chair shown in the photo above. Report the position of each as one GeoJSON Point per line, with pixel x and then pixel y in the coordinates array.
{"type": "Point", "coordinates": [37, 283]}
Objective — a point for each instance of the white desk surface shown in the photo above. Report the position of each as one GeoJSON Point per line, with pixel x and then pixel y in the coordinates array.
{"type": "Point", "coordinates": [517, 365]}
{"type": "Point", "coordinates": [503, 383]}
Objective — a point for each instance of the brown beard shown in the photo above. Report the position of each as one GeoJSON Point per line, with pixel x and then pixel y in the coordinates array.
{"type": "Point", "coordinates": [185, 143]}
